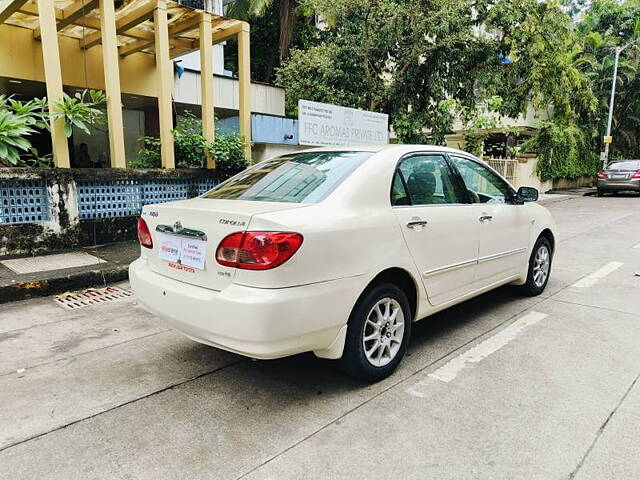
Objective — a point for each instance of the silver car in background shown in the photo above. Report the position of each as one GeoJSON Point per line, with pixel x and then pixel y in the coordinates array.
{"type": "Point", "coordinates": [619, 175]}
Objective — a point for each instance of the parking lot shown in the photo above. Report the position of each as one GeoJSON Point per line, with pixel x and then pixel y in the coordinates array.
{"type": "Point", "coordinates": [500, 387]}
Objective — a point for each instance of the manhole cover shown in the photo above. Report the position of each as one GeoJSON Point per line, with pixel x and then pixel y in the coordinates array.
{"type": "Point", "coordinates": [91, 296]}
{"type": "Point", "coordinates": [57, 261]}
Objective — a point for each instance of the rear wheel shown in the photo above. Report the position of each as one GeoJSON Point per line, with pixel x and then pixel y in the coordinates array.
{"type": "Point", "coordinates": [539, 267]}
{"type": "Point", "coordinates": [600, 192]}
{"type": "Point", "coordinates": [377, 334]}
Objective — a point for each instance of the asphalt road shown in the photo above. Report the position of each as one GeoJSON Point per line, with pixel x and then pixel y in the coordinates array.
{"type": "Point", "coordinates": [500, 387]}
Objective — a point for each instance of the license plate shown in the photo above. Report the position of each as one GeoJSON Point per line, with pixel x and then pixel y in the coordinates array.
{"type": "Point", "coordinates": [618, 176]}
{"type": "Point", "coordinates": [190, 252]}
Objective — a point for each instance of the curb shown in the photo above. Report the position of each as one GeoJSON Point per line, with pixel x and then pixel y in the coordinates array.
{"type": "Point", "coordinates": [52, 286]}
{"type": "Point", "coordinates": [548, 200]}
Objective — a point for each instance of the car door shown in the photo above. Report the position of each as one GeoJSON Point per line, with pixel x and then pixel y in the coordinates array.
{"type": "Point", "coordinates": [440, 230]}
{"type": "Point", "coordinates": [504, 225]}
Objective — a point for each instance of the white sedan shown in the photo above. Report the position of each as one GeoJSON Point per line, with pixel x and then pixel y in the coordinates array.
{"type": "Point", "coordinates": [338, 251]}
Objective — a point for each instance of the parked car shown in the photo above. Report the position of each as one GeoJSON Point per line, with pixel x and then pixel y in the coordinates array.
{"type": "Point", "coordinates": [338, 251]}
{"type": "Point", "coordinates": [619, 175]}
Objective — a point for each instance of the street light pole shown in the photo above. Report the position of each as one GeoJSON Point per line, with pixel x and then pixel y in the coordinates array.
{"type": "Point", "coordinates": [613, 94]}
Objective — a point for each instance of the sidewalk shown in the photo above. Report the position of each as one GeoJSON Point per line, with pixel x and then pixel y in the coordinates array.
{"type": "Point", "coordinates": [38, 276]}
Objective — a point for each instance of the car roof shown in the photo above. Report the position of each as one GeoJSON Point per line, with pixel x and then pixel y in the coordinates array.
{"type": "Point", "coordinates": [399, 147]}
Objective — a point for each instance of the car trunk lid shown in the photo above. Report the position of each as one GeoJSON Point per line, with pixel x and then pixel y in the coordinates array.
{"type": "Point", "coordinates": [186, 234]}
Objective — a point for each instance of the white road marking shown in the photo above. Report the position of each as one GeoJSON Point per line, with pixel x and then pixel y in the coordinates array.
{"type": "Point", "coordinates": [602, 272]}
{"type": "Point", "coordinates": [453, 367]}
{"type": "Point", "coordinates": [636, 246]}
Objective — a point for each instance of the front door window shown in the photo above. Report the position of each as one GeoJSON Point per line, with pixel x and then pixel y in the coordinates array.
{"type": "Point", "coordinates": [483, 186]}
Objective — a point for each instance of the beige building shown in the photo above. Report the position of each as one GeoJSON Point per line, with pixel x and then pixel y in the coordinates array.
{"type": "Point", "coordinates": [127, 49]}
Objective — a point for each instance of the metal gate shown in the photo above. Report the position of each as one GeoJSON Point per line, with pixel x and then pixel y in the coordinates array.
{"type": "Point", "coordinates": [507, 167]}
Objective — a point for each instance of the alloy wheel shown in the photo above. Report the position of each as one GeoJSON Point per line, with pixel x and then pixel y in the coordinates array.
{"type": "Point", "coordinates": [541, 264]}
{"type": "Point", "coordinates": [383, 332]}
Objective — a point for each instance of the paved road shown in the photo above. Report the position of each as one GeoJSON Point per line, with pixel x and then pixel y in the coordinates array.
{"type": "Point", "coordinates": [499, 387]}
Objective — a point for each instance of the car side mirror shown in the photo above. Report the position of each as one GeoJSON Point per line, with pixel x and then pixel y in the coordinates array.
{"type": "Point", "coordinates": [527, 194]}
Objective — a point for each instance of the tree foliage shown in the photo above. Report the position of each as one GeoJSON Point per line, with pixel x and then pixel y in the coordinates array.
{"type": "Point", "coordinates": [396, 56]}
{"type": "Point", "coordinates": [428, 63]}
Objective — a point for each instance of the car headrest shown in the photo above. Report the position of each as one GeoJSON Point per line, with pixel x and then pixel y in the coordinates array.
{"type": "Point", "coordinates": [422, 182]}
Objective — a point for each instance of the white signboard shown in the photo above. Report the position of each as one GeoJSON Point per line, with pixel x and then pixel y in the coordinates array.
{"type": "Point", "coordinates": [326, 124]}
{"type": "Point", "coordinates": [190, 252]}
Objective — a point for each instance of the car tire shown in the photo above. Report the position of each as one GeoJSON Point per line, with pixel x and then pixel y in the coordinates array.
{"type": "Point", "coordinates": [537, 282]}
{"type": "Point", "coordinates": [360, 359]}
{"type": "Point", "coordinates": [600, 192]}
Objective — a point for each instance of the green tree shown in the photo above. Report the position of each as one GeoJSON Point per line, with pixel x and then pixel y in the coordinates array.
{"type": "Point", "coordinates": [280, 23]}
{"type": "Point", "coordinates": [603, 26]}
{"type": "Point", "coordinates": [395, 56]}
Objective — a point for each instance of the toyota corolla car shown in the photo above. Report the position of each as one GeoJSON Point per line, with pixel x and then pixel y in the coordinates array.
{"type": "Point", "coordinates": [338, 251]}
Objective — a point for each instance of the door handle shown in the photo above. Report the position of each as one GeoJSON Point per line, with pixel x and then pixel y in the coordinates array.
{"type": "Point", "coordinates": [416, 223]}
{"type": "Point", "coordinates": [483, 218]}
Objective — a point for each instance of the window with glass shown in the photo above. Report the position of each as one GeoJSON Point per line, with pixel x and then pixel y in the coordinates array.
{"type": "Point", "coordinates": [483, 186]}
{"type": "Point", "coordinates": [424, 180]}
{"type": "Point", "coordinates": [298, 178]}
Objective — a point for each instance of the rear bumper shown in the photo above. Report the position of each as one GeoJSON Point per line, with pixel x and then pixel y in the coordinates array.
{"type": "Point", "coordinates": [606, 184]}
{"type": "Point", "coordinates": [256, 322]}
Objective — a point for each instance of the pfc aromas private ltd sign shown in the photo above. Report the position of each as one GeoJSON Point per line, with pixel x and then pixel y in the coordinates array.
{"type": "Point", "coordinates": [326, 124]}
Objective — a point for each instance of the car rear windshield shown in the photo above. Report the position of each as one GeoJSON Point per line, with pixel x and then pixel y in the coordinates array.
{"type": "Point", "coordinates": [297, 178]}
{"type": "Point", "coordinates": [625, 165]}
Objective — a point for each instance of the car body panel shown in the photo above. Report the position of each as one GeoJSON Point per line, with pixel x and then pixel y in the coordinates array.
{"type": "Point", "coordinates": [445, 250]}
{"type": "Point", "coordinates": [504, 240]}
{"type": "Point", "coordinates": [256, 322]}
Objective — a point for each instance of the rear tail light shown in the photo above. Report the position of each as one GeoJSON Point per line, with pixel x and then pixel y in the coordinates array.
{"type": "Point", "coordinates": [601, 174]}
{"type": "Point", "coordinates": [257, 250]}
{"type": "Point", "coordinates": [637, 174]}
{"type": "Point", "coordinates": [144, 235]}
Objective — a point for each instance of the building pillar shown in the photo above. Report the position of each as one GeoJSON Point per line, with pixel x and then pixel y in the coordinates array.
{"type": "Point", "coordinates": [53, 79]}
{"type": "Point", "coordinates": [164, 70]}
{"type": "Point", "coordinates": [112, 83]}
{"type": "Point", "coordinates": [244, 74]}
{"type": "Point", "coordinates": [206, 83]}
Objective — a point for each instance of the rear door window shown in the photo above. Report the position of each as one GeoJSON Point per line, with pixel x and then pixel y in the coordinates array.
{"type": "Point", "coordinates": [424, 179]}
{"type": "Point", "coordinates": [298, 178]}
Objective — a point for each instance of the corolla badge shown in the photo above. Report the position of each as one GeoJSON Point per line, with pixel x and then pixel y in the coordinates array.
{"type": "Point", "coordinates": [177, 226]}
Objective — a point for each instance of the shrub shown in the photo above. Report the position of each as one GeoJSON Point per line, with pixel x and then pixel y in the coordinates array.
{"type": "Point", "coordinates": [564, 151]}
{"type": "Point", "coordinates": [228, 151]}
{"type": "Point", "coordinates": [191, 149]}
{"type": "Point", "coordinates": [148, 155]}
{"type": "Point", "coordinates": [21, 119]}
{"type": "Point", "coordinates": [13, 129]}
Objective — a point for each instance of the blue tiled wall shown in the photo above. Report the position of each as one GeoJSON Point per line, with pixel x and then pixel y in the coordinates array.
{"type": "Point", "coordinates": [23, 201]}
{"type": "Point", "coordinates": [121, 198]}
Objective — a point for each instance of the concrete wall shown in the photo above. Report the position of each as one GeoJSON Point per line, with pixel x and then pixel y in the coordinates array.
{"type": "Point", "coordinates": [530, 119]}
{"type": "Point", "coordinates": [579, 182]}
{"type": "Point", "coordinates": [526, 175]}
{"type": "Point", "coordinates": [21, 58]}
{"type": "Point", "coordinates": [66, 226]}
{"type": "Point", "coordinates": [265, 151]}
{"type": "Point", "coordinates": [264, 98]}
